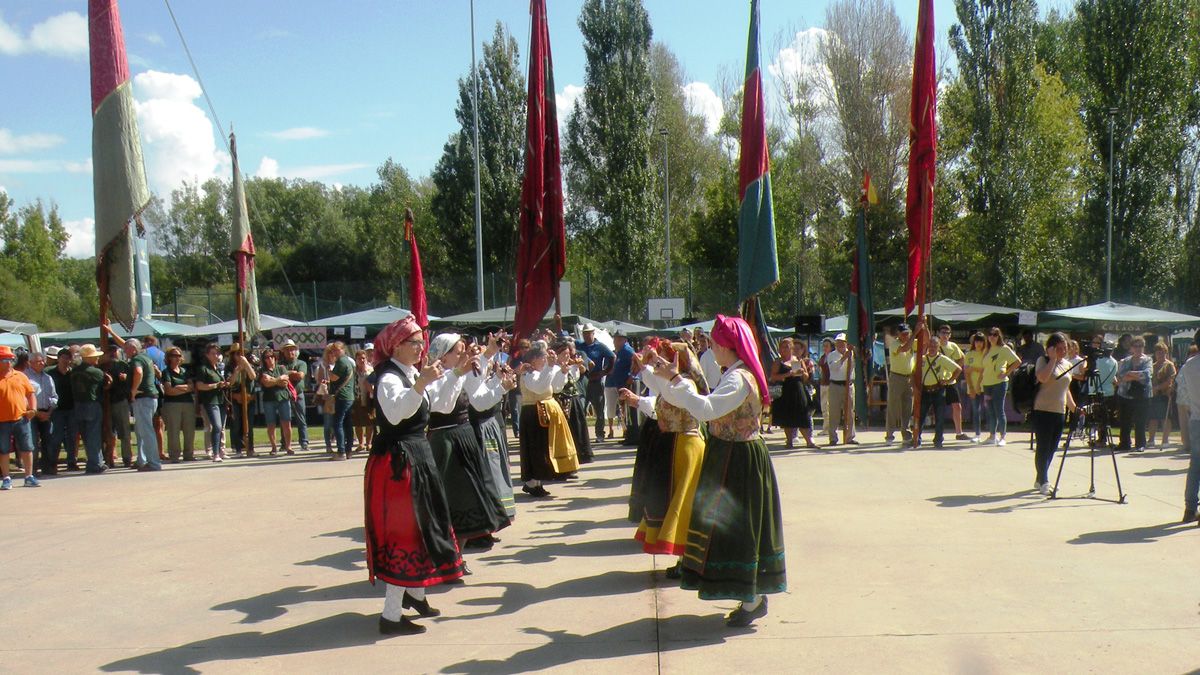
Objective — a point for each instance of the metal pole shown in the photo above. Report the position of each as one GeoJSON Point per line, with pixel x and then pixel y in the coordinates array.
{"type": "Point", "coordinates": [478, 202]}
{"type": "Point", "coordinates": [667, 205]}
{"type": "Point", "coordinates": [1108, 273]}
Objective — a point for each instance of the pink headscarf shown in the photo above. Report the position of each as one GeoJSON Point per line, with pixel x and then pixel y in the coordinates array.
{"type": "Point", "coordinates": [391, 337]}
{"type": "Point", "coordinates": [732, 332]}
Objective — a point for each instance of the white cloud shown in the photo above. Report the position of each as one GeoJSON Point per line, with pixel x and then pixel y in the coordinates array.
{"type": "Point", "coordinates": [12, 144]}
{"type": "Point", "coordinates": [267, 168]}
{"type": "Point", "coordinates": [64, 35]}
{"type": "Point", "coordinates": [178, 139]}
{"type": "Point", "coordinates": [800, 61]}
{"type": "Point", "coordinates": [565, 102]}
{"type": "Point", "coordinates": [703, 101]}
{"type": "Point", "coordinates": [44, 166]}
{"type": "Point", "coordinates": [298, 134]}
{"type": "Point", "coordinates": [82, 242]}
{"type": "Point", "coordinates": [153, 38]}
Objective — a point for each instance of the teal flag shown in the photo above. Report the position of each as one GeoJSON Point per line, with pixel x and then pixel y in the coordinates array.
{"type": "Point", "coordinates": [758, 264]}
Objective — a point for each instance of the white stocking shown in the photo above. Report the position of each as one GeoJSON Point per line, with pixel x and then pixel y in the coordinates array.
{"type": "Point", "coordinates": [753, 604]}
{"type": "Point", "coordinates": [417, 594]}
{"type": "Point", "coordinates": [393, 603]}
{"type": "Point", "coordinates": [532, 483]}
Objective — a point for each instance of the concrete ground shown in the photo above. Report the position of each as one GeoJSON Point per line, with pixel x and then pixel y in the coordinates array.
{"type": "Point", "coordinates": [900, 561]}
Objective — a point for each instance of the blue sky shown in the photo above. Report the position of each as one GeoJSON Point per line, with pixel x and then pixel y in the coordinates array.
{"type": "Point", "coordinates": [314, 89]}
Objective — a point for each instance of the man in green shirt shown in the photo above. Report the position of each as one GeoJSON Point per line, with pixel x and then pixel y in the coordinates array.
{"type": "Point", "coordinates": [87, 386]}
{"type": "Point", "coordinates": [143, 400]}
{"type": "Point", "coordinates": [276, 400]}
{"type": "Point", "coordinates": [297, 371]}
{"type": "Point", "coordinates": [341, 388]}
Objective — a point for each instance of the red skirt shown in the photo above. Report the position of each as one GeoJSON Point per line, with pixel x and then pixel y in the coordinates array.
{"type": "Point", "coordinates": [410, 541]}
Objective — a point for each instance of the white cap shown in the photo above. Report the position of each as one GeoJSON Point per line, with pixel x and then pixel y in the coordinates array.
{"type": "Point", "coordinates": [288, 343]}
{"type": "Point", "coordinates": [369, 346]}
{"type": "Point", "coordinates": [839, 337]}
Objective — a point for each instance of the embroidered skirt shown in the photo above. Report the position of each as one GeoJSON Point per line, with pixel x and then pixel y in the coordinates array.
{"type": "Point", "coordinates": [499, 479]}
{"type": "Point", "coordinates": [735, 541]}
{"type": "Point", "coordinates": [575, 409]}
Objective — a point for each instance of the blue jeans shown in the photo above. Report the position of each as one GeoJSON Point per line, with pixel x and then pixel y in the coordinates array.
{"type": "Point", "coordinates": [16, 433]}
{"type": "Point", "coordinates": [216, 423]}
{"type": "Point", "coordinates": [342, 431]}
{"type": "Point", "coordinates": [300, 419]}
{"type": "Point", "coordinates": [89, 416]}
{"type": "Point", "coordinates": [143, 424]}
{"type": "Point", "coordinates": [1192, 486]}
{"type": "Point", "coordinates": [978, 405]}
{"type": "Point", "coordinates": [62, 433]}
{"type": "Point", "coordinates": [997, 417]}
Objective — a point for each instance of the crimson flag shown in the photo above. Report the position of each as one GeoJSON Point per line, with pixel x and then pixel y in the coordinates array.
{"type": "Point", "coordinates": [922, 154]}
{"type": "Point", "coordinates": [542, 251]}
{"type": "Point", "coordinates": [416, 285]}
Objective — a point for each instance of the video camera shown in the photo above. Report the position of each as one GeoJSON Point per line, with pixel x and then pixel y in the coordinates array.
{"type": "Point", "coordinates": [1093, 353]}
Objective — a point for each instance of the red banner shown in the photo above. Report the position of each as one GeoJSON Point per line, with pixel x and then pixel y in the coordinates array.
{"type": "Point", "coordinates": [922, 155]}
{"type": "Point", "coordinates": [416, 282]}
{"type": "Point", "coordinates": [542, 251]}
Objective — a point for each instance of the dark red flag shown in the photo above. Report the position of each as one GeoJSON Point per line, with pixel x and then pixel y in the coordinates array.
{"type": "Point", "coordinates": [416, 282]}
{"type": "Point", "coordinates": [922, 155]}
{"type": "Point", "coordinates": [542, 251]}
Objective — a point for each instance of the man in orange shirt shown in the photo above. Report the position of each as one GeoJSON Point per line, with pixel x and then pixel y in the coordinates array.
{"type": "Point", "coordinates": [17, 406]}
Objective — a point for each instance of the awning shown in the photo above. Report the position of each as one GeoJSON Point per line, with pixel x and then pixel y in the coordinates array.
{"type": "Point", "coordinates": [955, 312]}
{"type": "Point", "coordinates": [1114, 317]}
{"type": "Point", "coordinates": [17, 327]}
{"type": "Point", "coordinates": [497, 316]}
{"type": "Point", "coordinates": [142, 327]}
{"type": "Point", "coordinates": [376, 318]}
{"type": "Point", "coordinates": [266, 322]}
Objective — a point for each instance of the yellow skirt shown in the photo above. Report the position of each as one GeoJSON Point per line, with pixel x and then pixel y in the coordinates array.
{"type": "Point", "coordinates": [670, 538]}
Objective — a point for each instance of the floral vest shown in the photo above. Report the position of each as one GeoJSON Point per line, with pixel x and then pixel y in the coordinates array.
{"type": "Point", "coordinates": [743, 423]}
{"type": "Point", "coordinates": [672, 419]}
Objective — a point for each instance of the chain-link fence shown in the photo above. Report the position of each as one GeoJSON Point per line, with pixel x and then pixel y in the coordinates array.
{"type": "Point", "coordinates": [705, 292]}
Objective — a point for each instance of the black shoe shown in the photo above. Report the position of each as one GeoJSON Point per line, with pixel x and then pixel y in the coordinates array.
{"type": "Point", "coordinates": [740, 618]}
{"type": "Point", "coordinates": [100, 469]}
{"type": "Point", "coordinates": [480, 543]}
{"type": "Point", "coordinates": [422, 607]}
{"type": "Point", "coordinates": [404, 626]}
{"type": "Point", "coordinates": [1189, 515]}
{"type": "Point", "coordinates": [674, 571]}
{"type": "Point", "coordinates": [538, 491]}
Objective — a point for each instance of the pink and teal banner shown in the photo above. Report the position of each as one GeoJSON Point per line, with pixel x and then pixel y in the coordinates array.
{"type": "Point", "coordinates": [758, 264]}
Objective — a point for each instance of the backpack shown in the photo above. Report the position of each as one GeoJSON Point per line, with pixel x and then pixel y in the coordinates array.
{"type": "Point", "coordinates": [1024, 386]}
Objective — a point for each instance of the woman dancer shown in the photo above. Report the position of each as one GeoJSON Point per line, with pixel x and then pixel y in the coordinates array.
{"type": "Point", "coordinates": [409, 536]}
{"type": "Point", "coordinates": [488, 390]}
{"type": "Point", "coordinates": [547, 449]}
{"type": "Point", "coordinates": [475, 510]}
{"type": "Point", "coordinates": [571, 396]}
{"type": "Point", "coordinates": [672, 466]}
{"type": "Point", "coordinates": [735, 542]}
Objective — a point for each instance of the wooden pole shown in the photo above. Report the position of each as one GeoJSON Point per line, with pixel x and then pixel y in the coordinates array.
{"type": "Point", "coordinates": [245, 403]}
{"type": "Point", "coordinates": [106, 405]}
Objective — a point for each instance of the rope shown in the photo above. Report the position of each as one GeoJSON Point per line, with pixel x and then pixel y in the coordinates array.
{"type": "Point", "coordinates": [225, 143]}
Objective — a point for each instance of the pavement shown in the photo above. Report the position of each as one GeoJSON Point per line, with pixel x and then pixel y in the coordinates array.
{"type": "Point", "coordinates": [899, 561]}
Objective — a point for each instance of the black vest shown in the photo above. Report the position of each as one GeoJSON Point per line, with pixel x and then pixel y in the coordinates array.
{"type": "Point", "coordinates": [387, 435]}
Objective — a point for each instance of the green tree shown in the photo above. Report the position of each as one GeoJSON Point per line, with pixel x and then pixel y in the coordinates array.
{"type": "Point", "coordinates": [610, 181]}
{"type": "Point", "coordinates": [1139, 60]}
{"type": "Point", "coordinates": [502, 146]}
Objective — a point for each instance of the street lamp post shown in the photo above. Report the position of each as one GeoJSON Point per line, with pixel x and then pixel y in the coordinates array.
{"type": "Point", "coordinates": [478, 197]}
{"type": "Point", "coordinates": [667, 205]}
{"type": "Point", "coordinates": [1111, 160]}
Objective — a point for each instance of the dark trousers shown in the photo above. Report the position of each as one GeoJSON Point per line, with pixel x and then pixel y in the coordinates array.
{"type": "Point", "coordinates": [42, 432]}
{"type": "Point", "coordinates": [300, 420]}
{"type": "Point", "coordinates": [1133, 416]}
{"type": "Point", "coordinates": [63, 432]}
{"type": "Point", "coordinates": [1048, 430]}
{"type": "Point", "coordinates": [935, 399]}
{"type": "Point", "coordinates": [514, 410]}
{"type": "Point", "coordinates": [237, 437]}
{"type": "Point", "coordinates": [595, 398]}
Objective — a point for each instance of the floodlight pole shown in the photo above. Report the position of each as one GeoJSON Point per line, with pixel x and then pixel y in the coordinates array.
{"type": "Point", "coordinates": [478, 197]}
{"type": "Point", "coordinates": [667, 205]}
{"type": "Point", "coordinates": [1108, 274]}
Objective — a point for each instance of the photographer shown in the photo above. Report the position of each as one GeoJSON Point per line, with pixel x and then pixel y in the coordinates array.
{"type": "Point", "coordinates": [1050, 406]}
{"type": "Point", "coordinates": [1133, 393]}
{"type": "Point", "coordinates": [1102, 382]}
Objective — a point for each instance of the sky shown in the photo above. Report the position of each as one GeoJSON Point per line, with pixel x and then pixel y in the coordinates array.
{"type": "Point", "coordinates": [319, 90]}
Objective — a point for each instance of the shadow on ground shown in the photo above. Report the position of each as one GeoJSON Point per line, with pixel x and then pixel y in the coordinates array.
{"type": "Point", "coordinates": [517, 596]}
{"type": "Point", "coordinates": [628, 639]}
{"type": "Point", "coordinates": [1137, 535]}
{"type": "Point", "coordinates": [334, 632]}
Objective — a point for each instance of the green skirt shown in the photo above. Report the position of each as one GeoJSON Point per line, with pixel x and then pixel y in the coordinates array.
{"type": "Point", "coordinates": [735, 541]}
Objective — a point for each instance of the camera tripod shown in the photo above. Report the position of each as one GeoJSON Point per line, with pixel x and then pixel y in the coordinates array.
{"type": "Point", "coordinates": [1091, 421]}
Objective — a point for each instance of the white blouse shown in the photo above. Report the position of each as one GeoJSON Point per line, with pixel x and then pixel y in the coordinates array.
{"type": "Point", "coordinates": [541, 381]}
{"type": "Point", "coordinates": [485, 389]}
{"type": "Point", "coordinates": [400, 401]}
{"type": "Point", "coordinates": [729, 393]}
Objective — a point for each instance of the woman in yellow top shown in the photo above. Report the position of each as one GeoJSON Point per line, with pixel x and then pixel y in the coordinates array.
{"type": "Point", "coordinates": [974, 377]}
{"type": "Point", "coordinates": [999, 361]}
